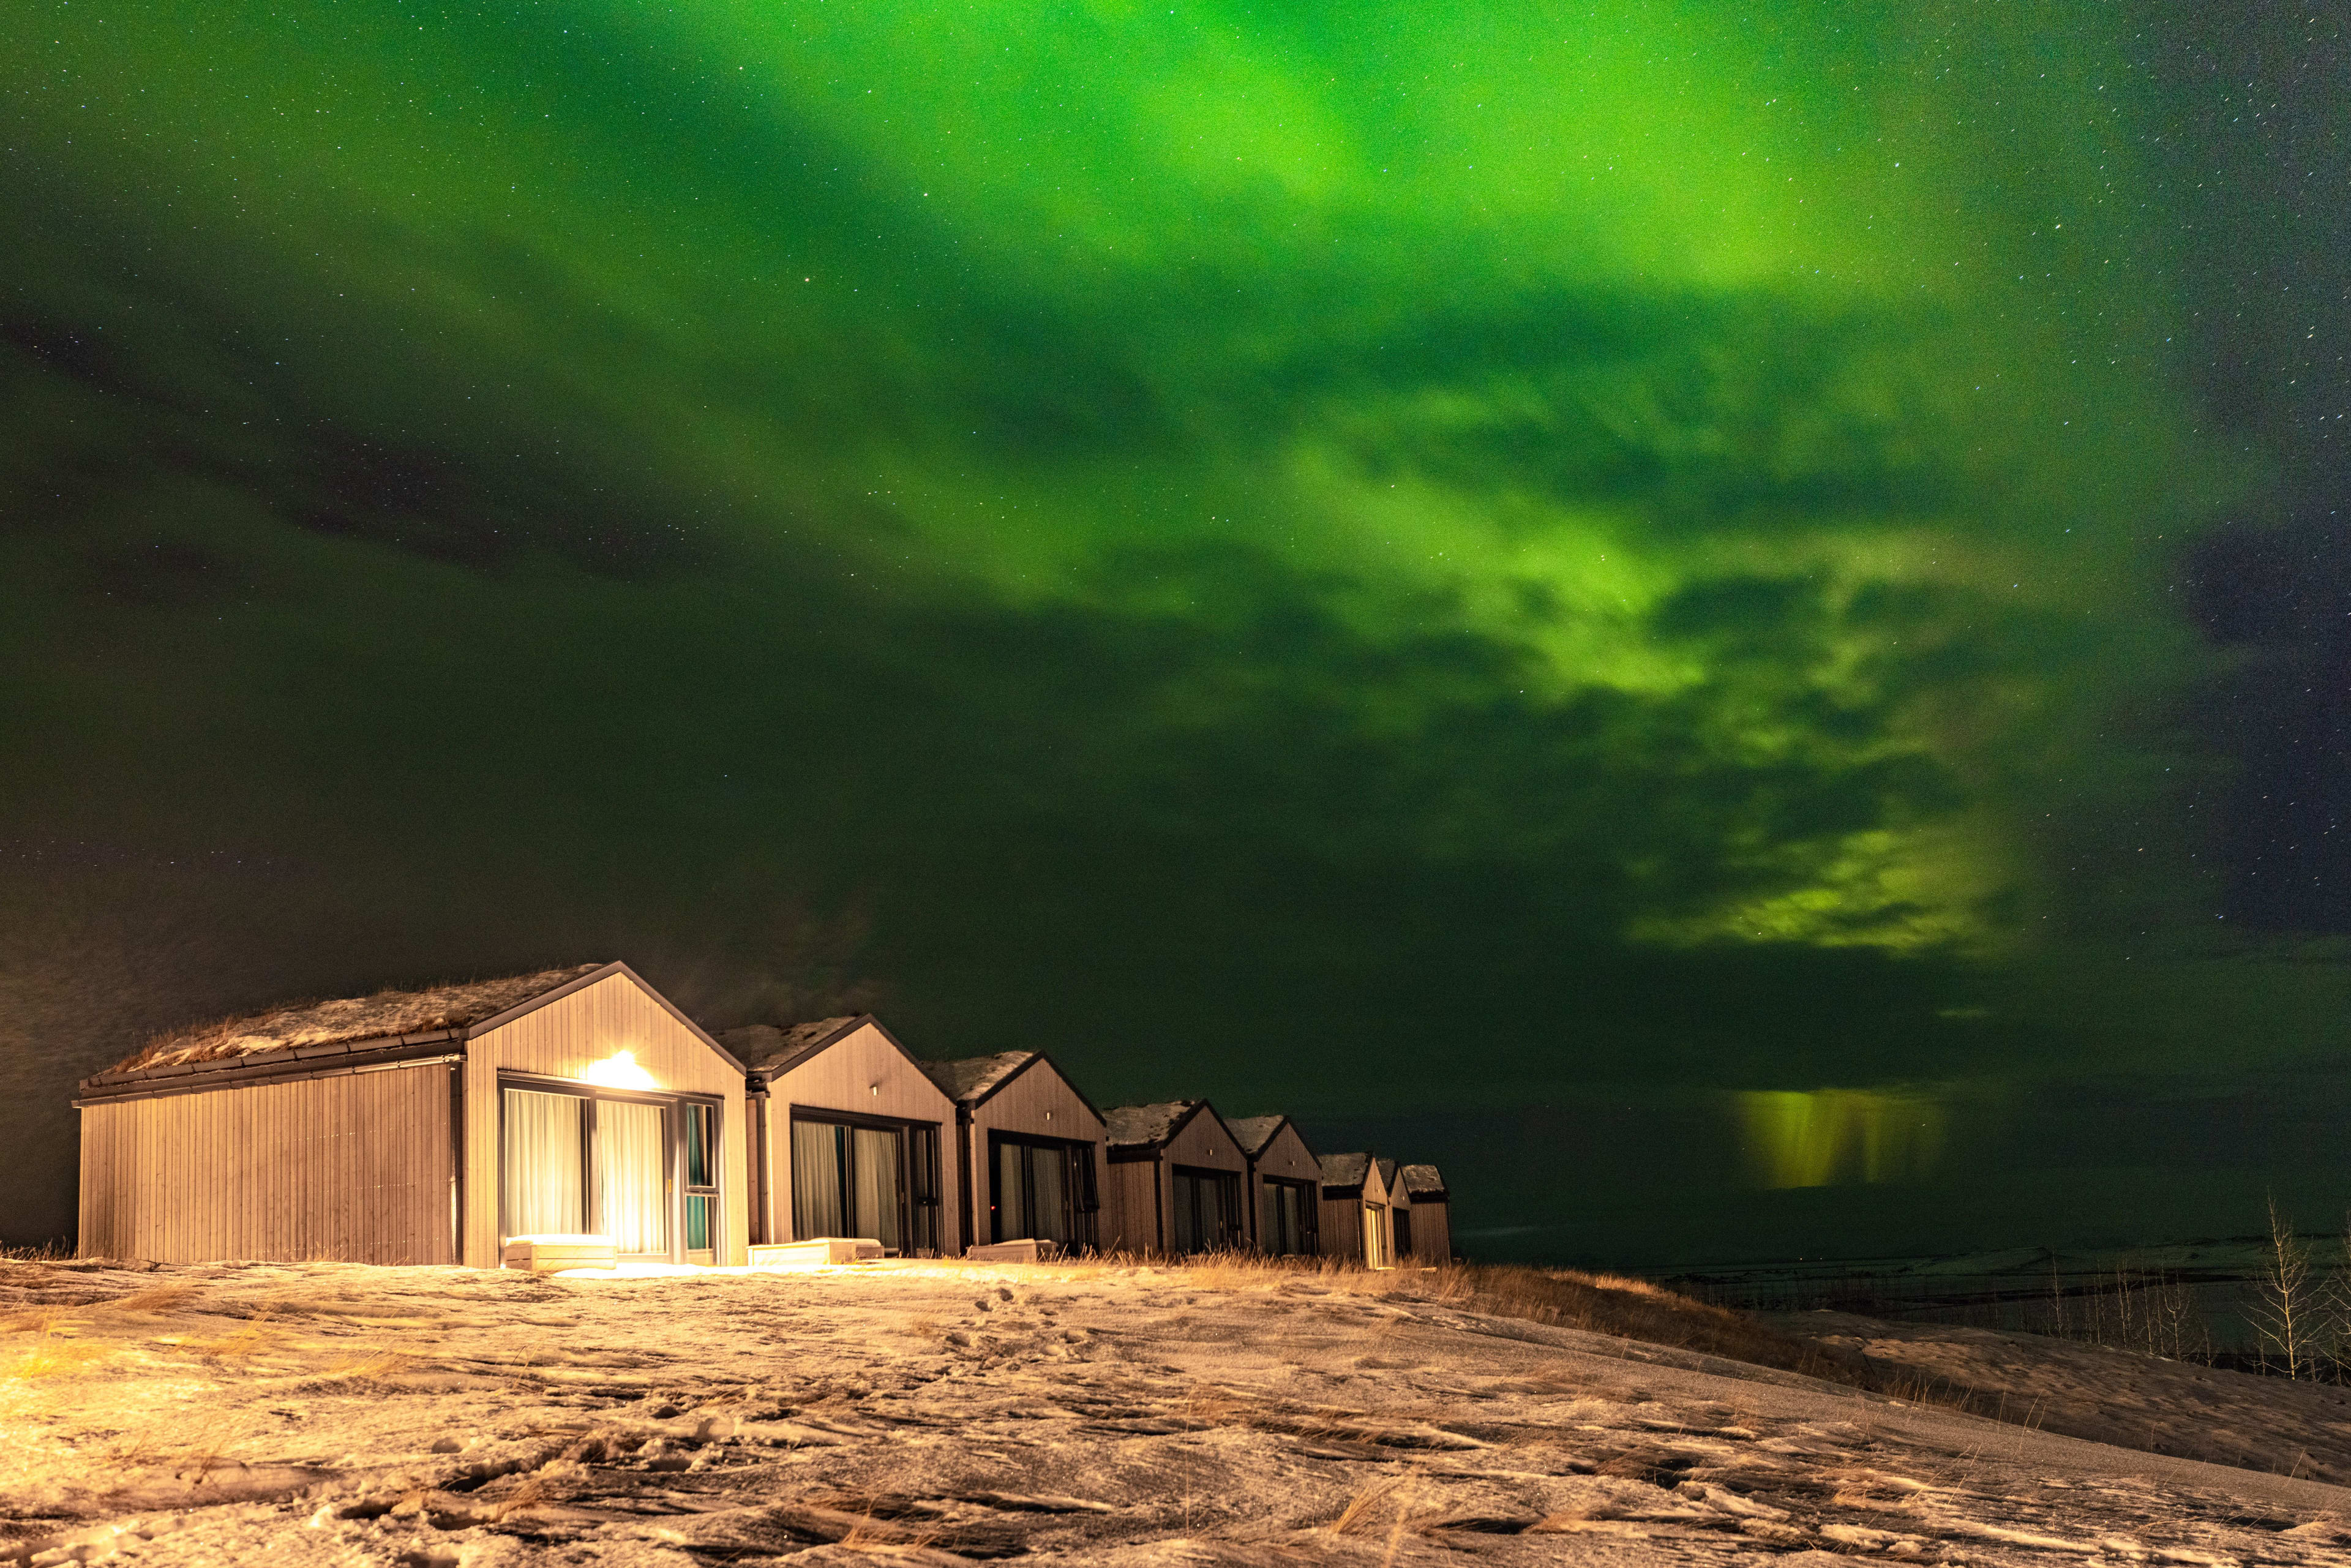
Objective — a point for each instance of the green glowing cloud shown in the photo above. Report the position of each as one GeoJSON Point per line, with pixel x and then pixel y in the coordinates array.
{"type": "Point", "coordinates": [1827, 1137]}
{"type": "Point", "coordinates": [1699, 466]}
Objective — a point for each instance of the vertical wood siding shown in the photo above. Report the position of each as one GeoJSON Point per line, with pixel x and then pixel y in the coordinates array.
{"type": "Point", "coordinates": [1130, 1219]}
{"type": "Point", "coordinates": [845, 1076]}
{"type": "Point", "coordinates": [355, 1168]}
{"type": "Point", "coordinates": [1432, 1230]}
{"type": "Point", "coordinates": [564, 1040]}
{"type": "Point", "coordinates": [1020, 1106]}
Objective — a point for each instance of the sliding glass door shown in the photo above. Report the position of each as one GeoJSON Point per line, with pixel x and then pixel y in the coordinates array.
{"type": "Point", "coordinates": [1207, 1209]}
{"type": "Point", "coordinates": [1286, 1218]}
{"type": "Point", "coordinates": [633, 1176]}
{"type": "Point", "coordinates": [638, 1168]}
{"type": "Point", "coordinates": [1043, 1188]}
{"type": "Point", "coordinates": [878, 1180]}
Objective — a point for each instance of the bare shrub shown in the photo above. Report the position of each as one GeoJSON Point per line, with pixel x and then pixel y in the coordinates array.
{"type": "Point", "coordinates": [2285, 1313]}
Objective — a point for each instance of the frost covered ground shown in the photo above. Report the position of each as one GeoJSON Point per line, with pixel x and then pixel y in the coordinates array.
{"type": "Point", "coordinates": [936, 1414]}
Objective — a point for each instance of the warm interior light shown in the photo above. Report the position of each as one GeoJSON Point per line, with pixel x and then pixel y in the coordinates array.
{"type": "Point", "coordinates": [619, 1071]}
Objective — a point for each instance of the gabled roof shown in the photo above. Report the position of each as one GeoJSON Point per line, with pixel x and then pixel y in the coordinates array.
{"type": "Point", "coordinates": [369, 1026]}
{"type": "Point", "coordinates": [970, 1078]}
{"type": "Point", "coordinates": [771, 1047]}
{"type": "Point", "coordinates": [970, 1081]}
{"type": "Point", "coordinates": [387, 1013]}
{"type": "Point", "coordinates": [1256, 1134]}
{"type": "Point", "coordinates": [1387, 1172]}
{"type": "Point", "coordinates": [1423, 1184]}
{"type": "Point", "coordinates": [770, 1050]}
{"type": "Point", "coordinates": [1148, 1126]}
{"type": "Point", "coordinates": [1345, 1173]}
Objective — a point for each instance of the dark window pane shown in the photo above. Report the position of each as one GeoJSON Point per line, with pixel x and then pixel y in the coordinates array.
{"type": "Point", "coordinates": [697, 1147]}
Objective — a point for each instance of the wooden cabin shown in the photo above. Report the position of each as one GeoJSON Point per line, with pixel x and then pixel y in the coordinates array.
{"type": "Point", "coordinates": [1399, 1212]}
{"type": "Point", "coordinates": [425, 1126]}
{"type": "Point", "coordinates": [1355, 1219]}
{"type": "Point", "coordinates": [1028, 1145]}
{"type": "Point", "coordinates": [848, 1138]}
{"type": "Point", "coordinates": [1177, 1178]}
{"type": "Point", "coordinates": [1431, 1239]}
{"type": "Point", "coordinates": [1284, 1197]}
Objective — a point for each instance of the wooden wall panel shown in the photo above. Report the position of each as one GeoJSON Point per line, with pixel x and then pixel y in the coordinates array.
{"type": "Point", "coordinates": [352, 1167]}
{"type": "Point", "coordinates": [1204, 1142]}
{"type": "Point", "coordinates": [1432, 1231]}
{"type": "Point", "coordinates": [564, 1040]}
{"type": "Point", "coordinates": [1342, 1227]}
{"type": "Point", "coordinates": [861, 1074]}
{"type": "Point", "coordinates": [1039, 1104]}
{"type": "Point", "coordinates": [1132, 1210]}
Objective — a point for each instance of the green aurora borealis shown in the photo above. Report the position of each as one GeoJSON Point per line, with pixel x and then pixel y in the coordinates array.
{"type": "Point", "coordinates": [1431, 570]}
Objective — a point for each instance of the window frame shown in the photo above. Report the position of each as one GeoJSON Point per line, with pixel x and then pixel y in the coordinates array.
{"type": "Point", "coordinates": [921, 1205]}
{"type": "Point", "coordinates": [674, 1184]}
{"type": "Point", "coordinates": [1309, 1205]}
{"type": "Point", "coordinates": [1233, 1197]}
{"type": "Point", "coordinates": [1081, 1188]}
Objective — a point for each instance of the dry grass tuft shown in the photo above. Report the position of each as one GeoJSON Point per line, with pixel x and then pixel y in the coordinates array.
{"type": "Point", "coordinates": [52, 1357]}
{"type": "Point", "coordinates": [35, 1319]}
{"type": "Point", "coordinates": [250, 1339]}
{"type": "Point", "coordinates": [1214, 1407]}
{"type": "Point", "coordinates": [155, 1298]}
{"type": "Point", "coordinates": [1360, 1508]}
{"type": "Point", "coordinates": [522, 1497]}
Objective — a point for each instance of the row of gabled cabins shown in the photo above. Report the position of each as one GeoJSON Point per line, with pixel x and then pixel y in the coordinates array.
{"type": "Point", "coordinates": [473, 1123]}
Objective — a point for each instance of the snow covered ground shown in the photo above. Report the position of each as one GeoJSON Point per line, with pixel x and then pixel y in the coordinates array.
{"type": "Point", "coordinates": [937, 1414]}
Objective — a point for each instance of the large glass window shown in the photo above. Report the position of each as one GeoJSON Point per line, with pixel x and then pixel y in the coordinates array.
{"type": "Point", "coordinates": [543, 1166]}
{"type": "Point", "coordinates": [1207, 1209]}
{"type": "Point", "coordinates": [865, 1179]}
{"type": "Point", "coordinates": [609, 1166]}
{"type": "Point", "coordinates": [1286, 1216]}
{"type": "Point", "coordinates": [1043, 1188]}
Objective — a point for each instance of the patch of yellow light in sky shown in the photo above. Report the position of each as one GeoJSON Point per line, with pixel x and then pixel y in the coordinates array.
{"type": "Point", "coordinates": [1828, 1137]}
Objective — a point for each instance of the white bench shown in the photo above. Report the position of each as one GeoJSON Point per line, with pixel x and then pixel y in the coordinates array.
{"type": "Point", "coordinates": [547, 1254]}
{"type": "Point", "coordinates": [821, 1249]}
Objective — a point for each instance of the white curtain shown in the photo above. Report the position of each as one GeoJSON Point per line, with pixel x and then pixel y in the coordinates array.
{"type": "Point", "coordinates": [631, 1173]}
{"type": "Point", "coordinates": [816, 1181]}
{"type": "Point", "coordinates": [873, 1161]}
{"type": "Point", "coordinates": [542, 1167]}
{"type": "Point", "coordinates": [1011, 1193]}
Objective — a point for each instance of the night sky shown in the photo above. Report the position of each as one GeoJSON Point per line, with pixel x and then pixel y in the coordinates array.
{"type": "Point", "coordinates": [1731, 622]}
